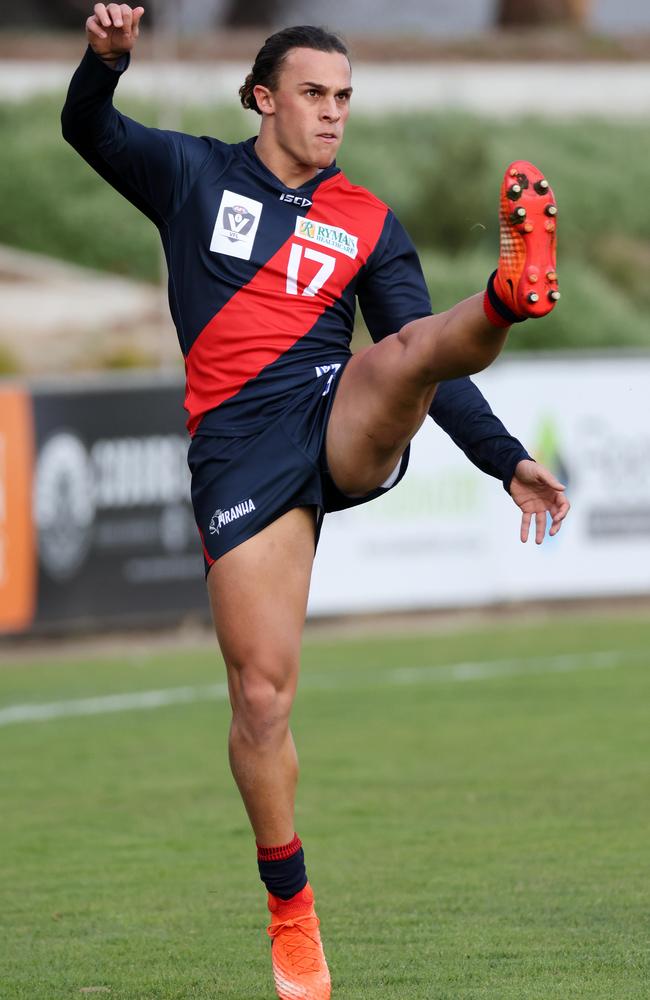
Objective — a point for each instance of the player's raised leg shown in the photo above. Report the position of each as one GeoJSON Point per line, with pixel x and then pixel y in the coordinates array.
{"type": "Point", "coordinates": [386, 390]}
{"type": "Point", "coordinates": [258, 593]}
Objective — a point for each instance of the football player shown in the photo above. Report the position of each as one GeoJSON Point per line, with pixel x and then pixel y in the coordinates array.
{"type": "Point", "coordinates": [269, 247]}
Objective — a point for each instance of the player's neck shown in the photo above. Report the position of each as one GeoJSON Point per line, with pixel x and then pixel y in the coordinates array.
{"type": "Point", "coordinates": [286, 168]}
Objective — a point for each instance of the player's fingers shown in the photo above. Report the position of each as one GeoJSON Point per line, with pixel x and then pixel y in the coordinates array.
{"type": "Point", "coordinates": [560, 507]}
{"type": "Point", "coordinates": [93, 27]}
{"type": "Point", "coordinates": [127, 17]}
{"type": "Point", "coordinates": [102, 15]}
{"type": "Point", "coordinates": [540, 526]}
{"type": "Point", "coordinates": [115, 14]}
{"type": "Point", "coordinates": [525, 527]}
{"type": "Point", "coordinates": [560, 511]}
{"type": "Point", "coordinates": [137, 14]}
{"type": "Point", "coordinates": [548, 479]}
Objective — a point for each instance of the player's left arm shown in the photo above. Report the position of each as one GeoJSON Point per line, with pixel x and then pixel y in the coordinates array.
{"type": "Point", "coordinates": [392, 292]}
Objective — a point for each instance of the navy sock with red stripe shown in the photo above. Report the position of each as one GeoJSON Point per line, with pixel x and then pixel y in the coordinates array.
{"type": "Point", "coordinates": [282, 869]}
{"type": "Point", "coordinates": [495, 308]}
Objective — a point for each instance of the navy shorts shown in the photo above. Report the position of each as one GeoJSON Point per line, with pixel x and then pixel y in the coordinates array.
{"type": "Point", "coordinates": [241, 484]}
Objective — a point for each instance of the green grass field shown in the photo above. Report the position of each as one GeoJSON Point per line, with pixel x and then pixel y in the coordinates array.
{"type": "Point", "coordinates": [475, 809]}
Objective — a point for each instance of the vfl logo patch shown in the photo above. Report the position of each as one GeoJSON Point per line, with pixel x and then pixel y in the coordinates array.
{"type": "Point", "coordinates": [327, 236]}
{"type": "Point", "coordinates": [236, 225]}
{"type": "Point", "coordinates": [220, 518]}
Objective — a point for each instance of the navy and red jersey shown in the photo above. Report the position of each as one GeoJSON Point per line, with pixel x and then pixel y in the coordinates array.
{"type": "Point", "coordinates": [264, 279]}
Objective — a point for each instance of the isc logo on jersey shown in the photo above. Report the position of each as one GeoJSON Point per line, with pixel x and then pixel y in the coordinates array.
{"type": "Point", "coordinates": [236, 225]}
{"type": "Point", "coordinates": [327, 236]}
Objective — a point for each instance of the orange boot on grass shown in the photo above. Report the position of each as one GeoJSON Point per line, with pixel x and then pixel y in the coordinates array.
{"type": "Point", "coordinates": [299, 967]}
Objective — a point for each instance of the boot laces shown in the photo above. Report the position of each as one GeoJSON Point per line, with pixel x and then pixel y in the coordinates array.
{"type": "Point", "coordinates": [301, 942]}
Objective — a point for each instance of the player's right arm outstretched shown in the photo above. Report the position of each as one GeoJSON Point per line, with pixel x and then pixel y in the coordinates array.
{"type": "Point", "coordinates": [154, 169]}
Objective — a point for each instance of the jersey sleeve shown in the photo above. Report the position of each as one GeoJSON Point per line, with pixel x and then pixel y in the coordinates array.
{"type": "Point", "coordinates": [462, 411]}
{"type": "Point", "coordinates": [153, 168]}
{"type": "Point", "coordinates": [391, 288]}
{"type": "Point", "coordinates": [393, 292]}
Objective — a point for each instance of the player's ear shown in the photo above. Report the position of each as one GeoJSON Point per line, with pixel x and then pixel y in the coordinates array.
{"type": "Point", "coordinates": [264, 98]}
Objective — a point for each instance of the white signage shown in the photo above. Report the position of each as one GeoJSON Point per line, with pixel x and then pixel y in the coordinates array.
{"type": "Point", "coordinates": [448, 535]}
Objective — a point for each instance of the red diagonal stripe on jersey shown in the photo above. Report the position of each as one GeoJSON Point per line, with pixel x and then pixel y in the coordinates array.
{"type": "Point", "coordinates": [263, 320]}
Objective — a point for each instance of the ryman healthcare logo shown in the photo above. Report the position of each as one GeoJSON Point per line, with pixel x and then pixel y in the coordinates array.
{"type": "Point", "coordinates": [236, 225]}
{"type": "Point", "coordinates": [327, 236]}
{"type": "Point", "coordinates": [222, 517]}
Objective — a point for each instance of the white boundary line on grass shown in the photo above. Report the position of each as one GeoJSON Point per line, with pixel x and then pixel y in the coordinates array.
{"type": "Point", "coordinates": [402, 676]}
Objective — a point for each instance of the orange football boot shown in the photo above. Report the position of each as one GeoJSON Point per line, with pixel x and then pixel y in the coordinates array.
{"type": "Point", "coordinates": [299, 967]}
{"type": "Point", "coordinates": [526, 278]}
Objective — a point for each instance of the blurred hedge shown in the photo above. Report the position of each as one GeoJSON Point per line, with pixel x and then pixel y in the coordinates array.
{"type": "Point", "coordinates": [440, 173]}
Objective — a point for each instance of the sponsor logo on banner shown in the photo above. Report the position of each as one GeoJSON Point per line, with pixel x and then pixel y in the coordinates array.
{"type": "Point", "coordinates": [236, 225]}
{"type": "Point", "coordinates": [616, 473]}
{"type": "Point", "coordinates": [549, 449]}
{"type": "Point", "coordinates": [220, 518]}
{"type": "Point", "coordinates": [613, 465]}
{"type": "Point", "coordinates": [65, 504]}
{"type": "Point", "coordinates": [73, 483]}
{"type": "Point", "coordinates": [327, 236]}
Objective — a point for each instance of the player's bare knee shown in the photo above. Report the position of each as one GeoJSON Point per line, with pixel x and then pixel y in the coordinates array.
{"type": "Point", "coordinates": [261, 703]}
{"type": "Point", "coordinates": [418, 354]}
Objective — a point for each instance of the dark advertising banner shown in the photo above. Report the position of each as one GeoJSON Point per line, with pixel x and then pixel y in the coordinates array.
{"type": "Point", "coordinates": [116, 538]}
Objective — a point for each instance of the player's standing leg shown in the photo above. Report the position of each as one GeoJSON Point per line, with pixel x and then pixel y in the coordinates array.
{"type": "Point", "coordinates": [258, 593]}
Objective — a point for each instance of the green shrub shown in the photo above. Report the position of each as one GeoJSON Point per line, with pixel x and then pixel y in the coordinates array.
{"type": "Point", "coordinates": [440, 173]}
{"type": "Point", "coordinates": [626, 263]}
{"type": "Point", "coordinates": [455, 206]}
{"type": "Point", "coordinates": [9, 364]}
{"type": "Point", "coordinates": [126, 356]}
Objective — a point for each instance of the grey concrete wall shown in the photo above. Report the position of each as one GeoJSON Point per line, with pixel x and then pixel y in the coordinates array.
{"type": "Point", "coordinates": [621, 16]}
{"type": "Point", "coordinates": [447, 18]}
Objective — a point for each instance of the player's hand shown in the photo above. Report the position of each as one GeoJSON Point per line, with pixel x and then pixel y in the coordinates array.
{"type": "Point", "coordinates": [537, 493]}
{"type": "Point", "coordinates": [113, 29]}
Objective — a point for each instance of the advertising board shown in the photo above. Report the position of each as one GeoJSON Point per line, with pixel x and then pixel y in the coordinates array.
{"type": "Point", "coordinates": [96, 524]}
{"type": "Point", "coordinates": [449, 535]}
{"type": "Point", "coordinates": [113, 532]}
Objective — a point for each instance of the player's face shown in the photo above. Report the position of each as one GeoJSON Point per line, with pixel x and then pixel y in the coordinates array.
{"type": "Point", "coordinates": [311, 105]}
